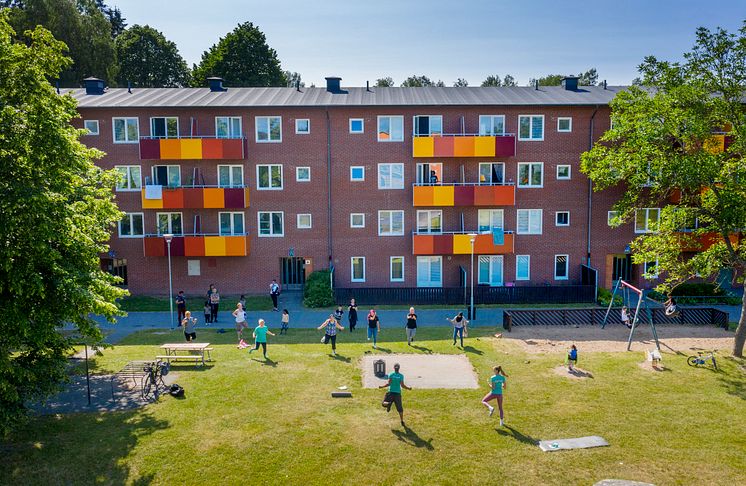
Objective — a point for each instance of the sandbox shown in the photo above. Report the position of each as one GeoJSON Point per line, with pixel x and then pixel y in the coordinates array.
{"type": "Point", "coordinates": [423, 371]}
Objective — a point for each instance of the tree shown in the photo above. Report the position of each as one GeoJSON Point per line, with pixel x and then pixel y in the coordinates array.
{"type": "Point", "coordinates": [56, 213]}
{"type": "Point", "coordinates": [294, 79]}
{"type": "Point", "coordinates": [241, 58]}
{"type": "Point", "coordinates": [461, 83]}
{"type": "Point", "coordinates": [386, 82]}
{"type": "Point", "coordinates": [662, 153]}
{"type": "Point", "coordinates": [148, 60]}
{"type": "Point", "coordinates": [588, 78]}
{"type": "Point", "coordinates": [509, 80]}
{"type": "Point", "coordinates": [420, 81]}
{"type": "Point", "coordinates": [494, 80]}
{"type": "Point", "coordinates": [114, 16]}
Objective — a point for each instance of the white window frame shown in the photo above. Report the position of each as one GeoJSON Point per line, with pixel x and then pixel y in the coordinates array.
{"type": "Point", "coordinates": [424, 168]}
{"type": "Point", "coordinates": [487, 280]}
{"type": "Point", "coordinates": [298, 221]}
{"type": "Point", "coordinates": [129, 168]}
{"type": "Point", "coordinates": [429, 230]}
{"type": "Point", "coordinates": [362, 125]}
{"type": "Point", "coordinates": [166, 136]}
{"type": "Point", "coordinates": [352, 220]}
{"type": "Point", "coordinates": [647, 219]}
{"type": "Point", "coordinates": [230, 175]}
{"type": "Point", "coordinates": [430, 132]}
{"type": "Point", "coordinates": [611, 215]}
{"type": "Point", "coordinates": [393, 186]}
{"type": "Point", "coordinates": [530, 218]}
{"type": "Point", "coordinates": [492, 125]}
{"type": "Point", "coordinates": [378, 128]}
{"type": "Point", "coordinates": [432, 258]}
{"type": "Point", "coordinates": [269, 129]}
{"type": "Point", "coordinates": [645, 270]}
{"type": "Point", "coordinates": [528, 268]}
{"type": "Point", "coordinates": [491, 213]}
{"type": "Point", "coordinates": [170, 222]}
{"type": "Point", "coordinates": [233, 231]}
{"type": "Point", "coordinates": [270, 188]}
{"type": "Point", "coordinates": [91, 132]}
{"type": "Point", "coordinates": [230, 127]}
{"type": "Point", "coordinates": [297, 174]}
{"type": "Point", "coordinates": [352, 268]}
{"type": "Point", "coordinates": [556, 218]}
{"type": "Point", "coordinates": [490, 182]}
{"type": "Point", "coordinates": [569, 172]}
{"type": "Point", "coordinates": [126, 139]}
{"type": "Point", "coordinates": [352, 168]}
{"type": "Point", "coordinates": [567, 267]}
{"type": "Point", "coordinates": [130, 215]}
{"type": "Point", "coordinates": [391, 269]}
{"type": "Point", "coordinates": [563, 118]}
{"type": "Point", "coordinates": [259, 224]}
{"type": "Point", "coordinates": [300, 132]}
{"type": "Point", "coordinates": [530, 174]}
{"type": "Point", "coordinates": [530, 128]}
{"type": "Point", "coordinates": [391, 218]}
{"type": "Point", "coordinates": [153, 172]}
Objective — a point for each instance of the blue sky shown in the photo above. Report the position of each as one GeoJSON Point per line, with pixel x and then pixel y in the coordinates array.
{"type": "Point", "coordinates": [445, 40]}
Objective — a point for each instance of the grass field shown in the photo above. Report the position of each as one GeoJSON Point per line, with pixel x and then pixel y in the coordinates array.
{"type": "Point", "coordinates": [244, 421]}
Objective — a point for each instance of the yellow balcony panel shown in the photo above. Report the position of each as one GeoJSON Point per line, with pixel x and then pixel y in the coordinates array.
{"type": "Point", "coordinates": [484, 146]}
{"type": "Point", "coordinates": [214, 246]}
{"type": "Point", "coordinates": [422, 147]}
{"type": "Point", "coordinates": [191, 149]}
{"type": "Point", "coordinates": [715, 144]}
{"type": "Point", "coordinates": [461, 245]}
{"type": "Point", "coordinates": [150, 203]}
{"type": "Point", "coordinates": [442, 195]}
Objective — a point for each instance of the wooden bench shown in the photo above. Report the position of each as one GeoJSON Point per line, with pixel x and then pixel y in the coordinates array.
{"type": "Point", "coordinates": [176, 357]}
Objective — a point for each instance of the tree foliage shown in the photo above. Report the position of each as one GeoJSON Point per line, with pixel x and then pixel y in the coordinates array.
{"type": "Point", "coordinates": [420, 81]}
{"type": "Point", "coordinates": [114, 16]}
{"type": "Point", "coordinates": [241, 58]}
{"type": "Point", "coordinates": [461, 83]}
{"type": "Point", "coordinates": [294, 79]}
{"type": "Point", "coordinates": [662, 153]}
{"type": "Point", "coordinates": [588, 78]}
{"type": "Point", "coordinates": [386, 82]}
{"type": "Point", "coordinates": [56, 213]}
{"type": "Point", "coordinates": [493, 80]}
{"type": "Point", "coordinates": [149, 60]}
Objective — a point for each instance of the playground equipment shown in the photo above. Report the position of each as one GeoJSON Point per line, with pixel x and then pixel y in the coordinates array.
{"type": "Point", "coordinates": [626, 290]}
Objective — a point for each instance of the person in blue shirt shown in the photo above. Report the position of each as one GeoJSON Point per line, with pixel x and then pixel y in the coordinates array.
{"type": "Point", "coordinates": [572, 357]}
{"type": "Point", "coordinates": [393, 396]}
{"type": "Point", "coordinates": [498, 384]}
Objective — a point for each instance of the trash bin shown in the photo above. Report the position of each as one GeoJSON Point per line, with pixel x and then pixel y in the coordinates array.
{"type": "Point", "coordinates": [379, 368]}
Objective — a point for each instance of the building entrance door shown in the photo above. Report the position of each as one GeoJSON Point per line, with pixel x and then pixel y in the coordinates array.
{"type": "Point", "coordinates": [622, 268]}
{"type": "Point", "coordinates": [292, 273]}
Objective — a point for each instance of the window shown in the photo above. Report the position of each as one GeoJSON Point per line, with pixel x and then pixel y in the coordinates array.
{"type": "Point", "coordinates": [130, 178]}
{"type": "Point", "coordinates": [429, 173]}
{"type": "Point", "coordinates": [167, 175]}
{"type": "Point", "coordinates": [564, 124]}
{"type": "Point", "coordinates": [357, 173]}
{"type": "Point", "coordinates": [169, 223]}
{"type": "Point", "coordinates": [564, 172]}
{"type": "Point", "coordinates": [164, 127]}
{"type": "Point", "coordinates": [231, 224]}
{"type": "Point", "coordinates": [429, 271]}
{"type": "Point", "coordinates": [490, 219]}
{"type": "Point", "coordinates": [91, 126]}
{"type": "Point", "coordinates": [390, 223]}
{"type": "Point", "coordinates": [531, 174]}
{"type": "Point", "coordinates": [303, 174]}
{"type": "Point", "coordinates": [228, 127]}
{"type": "Point", "coordinates": [302, 126]}
{"type": "Point", "coordinates": [490, 270]}
{"type": "Point", "coordinates": [230, 175]}
{"type": "Point", "coordinates": [303, 221]}
{"type": "Point", "coordinates": [562, 218]}
{"type": "Point", "coordinates": [390, 128]}
{"type": "Point", "coordinates": [126, 130]}
{"type": "Point", "coordinates": [357, 273]}
{"type": "Point", "coordinates": [491, 173]}
{"type": "Point", "coordinates": [531, 127]}
{"type": "Point", "coordinates": [357, 220]}
{"type": "Point", "coordinates": [269, 177]}
{"type": "Point", "coordinates": [529, 221]}
{"type": "Point", "coordinates": [357, 125]}
{"type": "Point", "coordinates": [268, 129]}
{"type": "Point", "coordinates": [426, 125]}
{"type": "Point", "coordinates": [650, 270]}
{"type": "Point", "coordinates": [561, 270]}
{"type": "Point", "coordinates": [271, 223]}
{"type": "Point", "coordinates": [611, 216]}
{"type": "Point", "coordinates": [131, 225]}
{"type": "Point", "coordinates": [646, 220]}
{"type": "Point", "coordinates": [429, 221]}
{"type": "Point", "coordinates": [391, 176]}
{"type": "Point", "coordinates": [523, 267]}
{"type": "Point", "coordinates": [396, 268]}
{"type": "Point", "coordinates": [491, 125]}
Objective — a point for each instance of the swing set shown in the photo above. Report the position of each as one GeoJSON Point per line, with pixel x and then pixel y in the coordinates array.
{"type": "Point", "coordinates": [625, 289]}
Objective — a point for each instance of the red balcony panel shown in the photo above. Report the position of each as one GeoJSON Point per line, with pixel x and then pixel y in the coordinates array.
{"type": "Point", "coordinates": [233, 148]}
{"type": "Point", "coordinates": [150, 149]}
{"type": "Point", "coordinates": [173, 198]}
{"type": "Point", "coordinates": [463, 196]}
{"type": "Point", "coordinates": [154, 246]}
{"type": "Point", "coordinates": [177, 246]}
{"type": "Point", "coordinates": [422, 244]}
{"type": "Point", "coordinates": [443, 146]}
{"type": "Point", "coordinates": [234, 198]}
{"type": "Point", "coordinates": [505, 146]}
{"type": "Point", "coordinates": [193, 198]}
{"type": "Point", "coordinates": [212, 148]}
{"type": "Point", "coordinates": [194, 246]}
{"type": "Point", "coordinates": [442, 244]}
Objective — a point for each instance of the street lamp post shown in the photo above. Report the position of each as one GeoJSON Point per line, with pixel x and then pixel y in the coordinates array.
{"type": "Point", "coordinates": [168, 237]}
{"type": "Point", "coordinates": [472, 238]}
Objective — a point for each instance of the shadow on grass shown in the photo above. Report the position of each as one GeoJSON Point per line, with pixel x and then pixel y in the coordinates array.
{"type": "Point", "coordinates": [734, 380]}
{"type": "Point", "coordinates": [266, 362]}
{"type": "Point", "coordinates": [339, 357]}
{"type": "Point", "coordinates": [580, 373]}
{"type": "Point", "coordinates": [410, 437]}
{"type": "Point", "coordinates": [473, 350]}
{"type": "Point", "coordinates": [423, 349]}
{"type": "Point", "coordinates": [508, 431]}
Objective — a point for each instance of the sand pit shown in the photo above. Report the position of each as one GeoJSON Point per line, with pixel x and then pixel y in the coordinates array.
{"type": "Point", "coordinates": [423, 371]}
{"type": "Point", "coordinates": [673, 337]}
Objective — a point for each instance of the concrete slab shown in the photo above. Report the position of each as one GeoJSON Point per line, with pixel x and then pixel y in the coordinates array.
{"type": "Point", "coordinates": [423, 371]}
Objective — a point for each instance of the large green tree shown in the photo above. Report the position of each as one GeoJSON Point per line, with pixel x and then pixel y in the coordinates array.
{"type": "Point", "coordinates": [149, 60]}
{"type": "Point", "coordinates": [241, 58]}
{"type": "Point", "coordinates": [56, 213]}
{"type": "Point", "coordinates": [663, 154]}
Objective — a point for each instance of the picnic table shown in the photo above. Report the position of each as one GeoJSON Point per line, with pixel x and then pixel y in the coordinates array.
{"type": "Point", "coordinates": [186, 351]}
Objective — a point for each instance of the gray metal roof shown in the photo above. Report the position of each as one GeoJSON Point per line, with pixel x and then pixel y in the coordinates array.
{"type": "Point", "coordinates": [290, 97]}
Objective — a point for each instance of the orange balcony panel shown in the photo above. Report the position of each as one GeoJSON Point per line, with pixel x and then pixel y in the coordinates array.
{"type": "Point", "coordinates": [706, 240]}
{"type": "Point", "coordinates": [422, 196]}
{"type": "Point", "coordinates": [233, 148]}
{"type": "Point", "coordinates": [150, 203]}
{"type": "Point", "coordinates": [154, 246]}
{"type": "Point", "coordinates": [675, 196]}
{"type": "Point", "coordinates": [715, 144]}
{"type": "Point", "coordinates": [212, 148]}
{"type": "Point", "coordinates": [214, 197]}
{"type": "Point", "coordinates": [443, 244]}
{"type": "Point", "coordinates": [463, 196]}
{"type": "Point", "coordinates": [463, 146]}
{"type": "Point", "coordinates": [193, 198]}
{"type": "Point", "coordinates": [170, 149]}
{"type": "Point", "coordinates": [483, 245]}
{"type": "Point", "coordinates": [236, 246]}
{"type": "Point", "coordinates": [173, 198]}
{"type": "Point", "coordinates": [194, 246]}
{"type": "Point", "coordinates": [422, 244]}
{"type": "Point", "coordinates": [443, 146]}
{"type": "Point", "coordinates": [191, 149]}
{"type": "Point", "coordinates": [214, 245]}
{"type": "Point", "coordinates": [494, 196]}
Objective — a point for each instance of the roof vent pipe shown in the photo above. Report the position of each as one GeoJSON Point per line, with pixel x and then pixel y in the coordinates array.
{"type": "Point", "coordinates": [129, 87]}
{"type": "Point", "coordinates": [297, 85]}
{"type": "Point", "coordinates": [570, 83]}
{"type": "Point", "coordinates": [216, 84]}
{"type": "Point", "coordinates": [536, 84]}
{"type": "Point", "coordinates": [604, 84]}
{"type": "Point", "coordinates": [367, 86]}
{"type": "Point", "coordinates": [332, 84]}
{"type": "Point", "coordinates": [93, 86]}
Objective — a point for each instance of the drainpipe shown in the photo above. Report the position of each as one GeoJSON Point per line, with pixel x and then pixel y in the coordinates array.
{"type": "Point", "coordinates": [329, 187]}
{"type": "Point", "coordinates": [590, 189]}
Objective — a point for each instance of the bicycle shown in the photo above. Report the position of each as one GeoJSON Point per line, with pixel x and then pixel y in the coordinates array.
{"type": "Point", "coordinates": [702, 359]}
{"type": "Point", "coordinates": [152, 382]}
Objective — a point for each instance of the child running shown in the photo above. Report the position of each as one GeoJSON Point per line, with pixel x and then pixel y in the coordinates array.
{"type": "Point", "coordinates": [459, 327]}
{"type": "Point", "coordinates": [189, 323]}
{"type": "Point", "coordinates": [572, 357]}
{"type": "Point", "coordinates": [330, 326]}
{"type": "Point", "coordinates": [285, 321]}
{"type": "Point", "coordinates": [260, 337]}
{"type": "Point", "coordinates": [498, 384]}
{"type": "Point", "coordinates": [393, 396]}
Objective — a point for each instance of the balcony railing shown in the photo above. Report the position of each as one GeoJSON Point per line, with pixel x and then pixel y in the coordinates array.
{"type": "Point", "coordinates": [467, 194]}
{"type": "Point", "coordinates": [695, 242]}
{"type": "Point", "coordinates": [194, 197]}
{"type": "Point", "coordinates": [464, 145]}
{"type": "Point", "coordinates": [192, 148]}
{"type": "Point", "coordinates": [459, 243]}
{"type": "Point", "coordinates": [199, 245]}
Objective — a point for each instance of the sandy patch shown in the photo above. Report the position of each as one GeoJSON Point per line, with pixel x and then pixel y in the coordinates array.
{"type": "Point", "coordinates": [423, 371]}
{"type": "Point", "coordinates": [575, 374]}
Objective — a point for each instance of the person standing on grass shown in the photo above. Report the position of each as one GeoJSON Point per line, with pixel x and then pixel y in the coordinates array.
{"type": "Point", "coordinates": [393, 396]}
{"type": "Point", "coordinates": [498, 384]}
{"type": "Point", "coordinates": [572, 357]}
{"type": "Point", "coordinates": [330, 326]}
{"type": "Point", "coordinates": [214, 303]}
{"type": "Point", "coordinates": [189, 324]}
{"type": "Point", "coordinates": [274, 292]}
{"type": "Point", "coordinates": [241, 324]}
{"type": "Point", "coordinates": [260, 337]}
{"type": "Point", "coordinates": [180, 306]}
{"type": "Point", "coordinates": [352, 314]}
{"type": "Point", "coordinates": [285, 321]}
{"type": "Point", "coordinates": [374, 326]}
{"type": "Point", "coordinates": [208, 312]}
{"type": "Point", "coordinates": [411, 325]}
{"type": "Point", "coordinates": [459, 327]}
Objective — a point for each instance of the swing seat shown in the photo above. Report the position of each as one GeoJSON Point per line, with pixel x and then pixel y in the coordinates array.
{"type": "Point", "coordinates": [672, 311]}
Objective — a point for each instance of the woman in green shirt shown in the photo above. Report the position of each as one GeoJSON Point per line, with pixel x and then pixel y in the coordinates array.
{"type": "Point", "coordinates": [260, 337]}
{"type": "Point", "coordinates": [393, 396]}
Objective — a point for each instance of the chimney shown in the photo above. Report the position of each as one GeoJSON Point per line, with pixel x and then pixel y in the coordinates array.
{"type": "Point", "coordinates": [367, 86]}
{"type": "Point", "coordinates": [536, 84]}
{"type": "Point", "coordinates": [129, 87]}
{"type": "Point", "coordinates": [93, 86]}
{"type": "Point", "coordinates": [604, 84]}
{"type": "Point", "coordinates": [215, 84]}
{"type": "Point", "coordinates": [332, 84]}
{"type": "Point", "coordinates": [570, 83]}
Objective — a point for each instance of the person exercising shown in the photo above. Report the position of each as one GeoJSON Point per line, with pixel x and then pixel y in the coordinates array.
{"type": "Point", "coordinates": [498, 384]}
{"type": "Point", "coordinates": [393, 396]}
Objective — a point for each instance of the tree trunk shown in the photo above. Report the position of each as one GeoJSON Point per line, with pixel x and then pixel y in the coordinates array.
{"type": "Point", "coordinates": [740, 330]}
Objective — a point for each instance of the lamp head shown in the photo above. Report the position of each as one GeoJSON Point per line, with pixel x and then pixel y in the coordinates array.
{"type": "Point", "coordinates": [168, 237]}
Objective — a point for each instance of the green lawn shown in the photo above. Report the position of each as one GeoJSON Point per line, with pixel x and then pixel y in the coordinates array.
{"type": "Point", "coordinates": [246, 422]}
{"type": "Point", "coordinates": [145, 303]}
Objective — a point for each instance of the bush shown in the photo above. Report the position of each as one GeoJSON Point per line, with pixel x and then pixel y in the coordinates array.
{"type": "Point", "coordinates": [318, 290]}
{"type": "Point", "coordinates": [705, 293]}
{"type": "Point", "coordinates": [604, 297]}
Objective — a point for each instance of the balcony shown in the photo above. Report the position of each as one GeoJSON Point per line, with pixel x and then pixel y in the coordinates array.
{"type": "Point", "coordinates": [458, 145]}
{"type": "Point", "coordinates": [192, 148]}
{"type": "Point", "coordinates": [194, 197]}
{"type": "Point", "coordinates": [692, 242]}
{"type": "Point", "coordinates": [201, 245]}
{"type": "Point", "coordinates": [459, 243]}
{"type": "Point", "coordinates": [468, 194]}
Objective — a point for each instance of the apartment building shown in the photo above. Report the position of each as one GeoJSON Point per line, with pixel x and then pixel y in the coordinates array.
{"type": "Point", "coordinates": [390, 187]}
